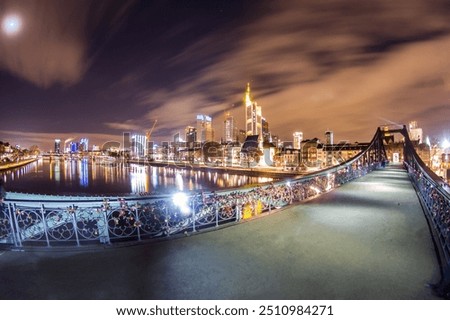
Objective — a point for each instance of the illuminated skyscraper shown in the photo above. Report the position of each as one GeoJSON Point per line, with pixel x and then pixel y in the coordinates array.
{"type": "Point", "coordinates": [229, 128]}
{"type": "Point", "coordinates": [253, 115]}
{"type": "Point", "coordinates": [57, 146]}
{"type": "Point", "coordinates": [329, 137]}
{"type": "Point", "coordinates": [191, 134]}
{"type": "Point", "coordinates": [329, 140]}
{"type": "Point", "coordinates": [84, 145]}
{"type": "Point", "coordinates": [266, 136]}
{"type": "Point", "coordinates": [205, 130]}
{"type": "Point", "coordinates": [298, 138]}
{"type": "Point", "coordinates": [138, 145]}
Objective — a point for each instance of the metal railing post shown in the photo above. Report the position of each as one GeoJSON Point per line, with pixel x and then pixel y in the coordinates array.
{"type": "Point", "coordinates": [75, 227]}
{"type": "Point", "coordinates": [217, 214]}
{"type": "Point", "coordinates": [11, 225]}
{"type": "Point", "coordinates": [104, 233]}
{"type": "Point", "coordinates": [16, 223]}
{"type": "Point", "coordinates": [193, 213]}
{"type": "Point", "coordinates": [138, 223]}
{"type": "Point", "coordinates": [44, 223]}
{"type": "Point", "coordinates": [167, 222]}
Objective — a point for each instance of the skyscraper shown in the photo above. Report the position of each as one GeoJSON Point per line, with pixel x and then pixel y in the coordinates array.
{"type": "Point", "coordinates": [298, 138]}
{"type": "Point", "coordinates": [266, 136]}
{"type": "Point", "coordinates": [253, 115]}
{"type": "Point", "coordinates": [138, 145]}
{"type": "Point", "coordinates": [205, 130]}
{"type": "Point", "coordinates": [84, 144]}
{"type": "Point", "coordinates": [329, 141]}
{"type": "Point", "coordinates": [57, 146]}
{"type": "Point", "coordinates": [329, 137]}
{"type": "Point", "coordinates": [229, 128]}
{"type": "Point", "coordinates": [191, 134]}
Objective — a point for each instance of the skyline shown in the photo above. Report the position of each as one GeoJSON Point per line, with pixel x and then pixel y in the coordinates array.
{"type": "Point", "coordinates": [98, 68]}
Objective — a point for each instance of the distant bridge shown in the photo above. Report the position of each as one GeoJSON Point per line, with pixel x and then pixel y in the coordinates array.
{"type": "Point", "coordinates": [28, 221]}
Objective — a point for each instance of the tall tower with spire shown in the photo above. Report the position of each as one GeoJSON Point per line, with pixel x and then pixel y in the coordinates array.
{"type": "Point", "coordinates": [253, 115]}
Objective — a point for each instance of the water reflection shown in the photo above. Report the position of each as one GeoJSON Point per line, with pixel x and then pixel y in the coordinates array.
{"type": "Point", "coordinates": [83, 176]}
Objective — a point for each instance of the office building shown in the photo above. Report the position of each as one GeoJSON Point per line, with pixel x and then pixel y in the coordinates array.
{"type": "Point", "coordinates": [229, 128]}
{"type": "Point", "coordinates": [415, 133]}
{"type": "Point", "coordinates": [58, 146]}
{"type": "Point", "coordinates": [298, 138]}
{"type": "Point", "coordinates": [205, 130]}
{"type": "Point", "coordinates": [253, 116]}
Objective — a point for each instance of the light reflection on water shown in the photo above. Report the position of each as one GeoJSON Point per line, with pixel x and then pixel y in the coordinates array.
{"type": "Point", "coordinates": [88, 178]}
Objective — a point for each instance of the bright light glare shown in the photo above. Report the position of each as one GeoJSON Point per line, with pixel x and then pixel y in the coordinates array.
{"type": "Point", "coordinates": [317, 190]}
{"type": "Point", "coordinates": [445, 144]}
{"type": "Point", "coordinates": [11, 24]}
{"type": "Point", "coordinates": [181, 201]}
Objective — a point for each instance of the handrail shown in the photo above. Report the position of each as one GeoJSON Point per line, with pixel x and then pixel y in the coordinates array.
{"type": "Point", "coordinates": [77, 221]}
{"type": "Point", "coordinates": [435, 201]}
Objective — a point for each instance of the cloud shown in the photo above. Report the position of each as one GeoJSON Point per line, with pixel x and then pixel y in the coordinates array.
{"type": "Point", "coordinates": [54, 45]}
{"type": "Point", "coordinates": [46, 140]}
{"type": "Point", "coordinates": [318, 65]}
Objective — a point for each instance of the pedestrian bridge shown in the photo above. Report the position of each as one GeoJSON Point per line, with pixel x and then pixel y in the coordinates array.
{"type": "Point", "coordinates": [347, 228]}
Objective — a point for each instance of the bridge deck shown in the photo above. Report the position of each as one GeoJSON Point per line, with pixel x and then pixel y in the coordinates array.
{"type": "Point", "coordinates": [366, 240]}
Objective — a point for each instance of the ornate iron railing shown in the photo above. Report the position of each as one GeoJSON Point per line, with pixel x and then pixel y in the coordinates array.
{"type": "Point", "coordinates": [435, 200]}
{"type": "Point", "coordinates": [56, 221]}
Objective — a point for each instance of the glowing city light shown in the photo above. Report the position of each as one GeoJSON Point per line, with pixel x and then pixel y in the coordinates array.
{"type": "Point", "coordinates": [181, 201]}
{"type": "Point", "coordinates": [12, 24]}
{"type": "Point", "coordinates": [445, 144]}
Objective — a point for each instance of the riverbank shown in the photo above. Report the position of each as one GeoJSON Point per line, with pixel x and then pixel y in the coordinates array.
{"type": "Point", "coordinates": [13, 165]}
{"type": "Point", "coordinates": [252, 172]}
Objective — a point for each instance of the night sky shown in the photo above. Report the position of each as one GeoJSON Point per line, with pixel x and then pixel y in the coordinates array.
{"type": "Point", "coordinates": [98, 68]}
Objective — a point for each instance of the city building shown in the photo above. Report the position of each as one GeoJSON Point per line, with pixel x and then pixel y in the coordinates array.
{"type": "Point", "coordinates": [288, 158]}
{"type": "Point", "coordinates": [266, 136]}
{"type": "Point", "coordinates": [190, 134]}
{"type": "Point", "coordinates": [84, 145]}
{"type": "Point", "coordinates": [242, 135]}
{"type": "Point", "coordinates": [298, 138]}
{"type": "Point", "coordinates": [229, 128]}
{"type": "Point", "coordinates": [126, 146]}
{"type": "Point", "coordinates": [253, 116]}
{"type": "Point", "coordinates": [205, 131]}
{"type": "Point", "coordinates": [329, 141]}
{"type": "Point", "coordinates": [138, 145]}
{"type": "Point", "coordinates": [73, 147]}
{"type": "Point", "coordinates": [95, 148]}
{"type": "Point", "coordinates": [415, 133]}
{"type": "Point", "coordinates": [329, 137]}
{"type": "Point", "coordinates": [58, 146]}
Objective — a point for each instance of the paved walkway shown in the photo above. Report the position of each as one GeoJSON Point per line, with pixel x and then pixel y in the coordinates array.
{"type": "Point", "coordinates": [366, 240]}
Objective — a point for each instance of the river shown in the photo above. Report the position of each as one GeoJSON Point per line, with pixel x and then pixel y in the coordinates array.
{"type": "Point", "coordinates": [87, 177]}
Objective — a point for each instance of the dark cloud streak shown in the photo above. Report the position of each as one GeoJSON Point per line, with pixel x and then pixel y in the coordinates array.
{"type": "Point", "coordinates": [312, 65]}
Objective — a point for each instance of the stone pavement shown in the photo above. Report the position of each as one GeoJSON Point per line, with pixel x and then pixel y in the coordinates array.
{"type": "Point", "coordinates": [365, 240]}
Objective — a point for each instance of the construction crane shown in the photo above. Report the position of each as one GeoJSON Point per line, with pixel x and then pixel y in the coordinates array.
{"type": "Point", "coordinates": [148, 134]}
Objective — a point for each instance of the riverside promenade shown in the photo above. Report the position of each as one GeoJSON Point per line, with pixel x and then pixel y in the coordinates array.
{"type": "Point", "coordinates": [368, 239]}
{"type": "Point", "coordinates": [13, 165]}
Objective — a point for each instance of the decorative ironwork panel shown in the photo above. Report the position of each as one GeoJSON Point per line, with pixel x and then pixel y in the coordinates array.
{"type": "Point", "coordinates": [151, 219]}
{"type": "Point", "coordinates": [60, 224]}
{"type": "Point", "coordinates": [122, 222]}
{"type": "Point", "coordinates": [30, 224]}
{"type": "Point", "coordinates": [91, 224]}
{"type": "Point", "coordinates": [5, 223]}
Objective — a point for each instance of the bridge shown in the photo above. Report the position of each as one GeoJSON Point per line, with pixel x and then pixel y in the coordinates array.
{"type": "Point", "coordinates": [373, 238]}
